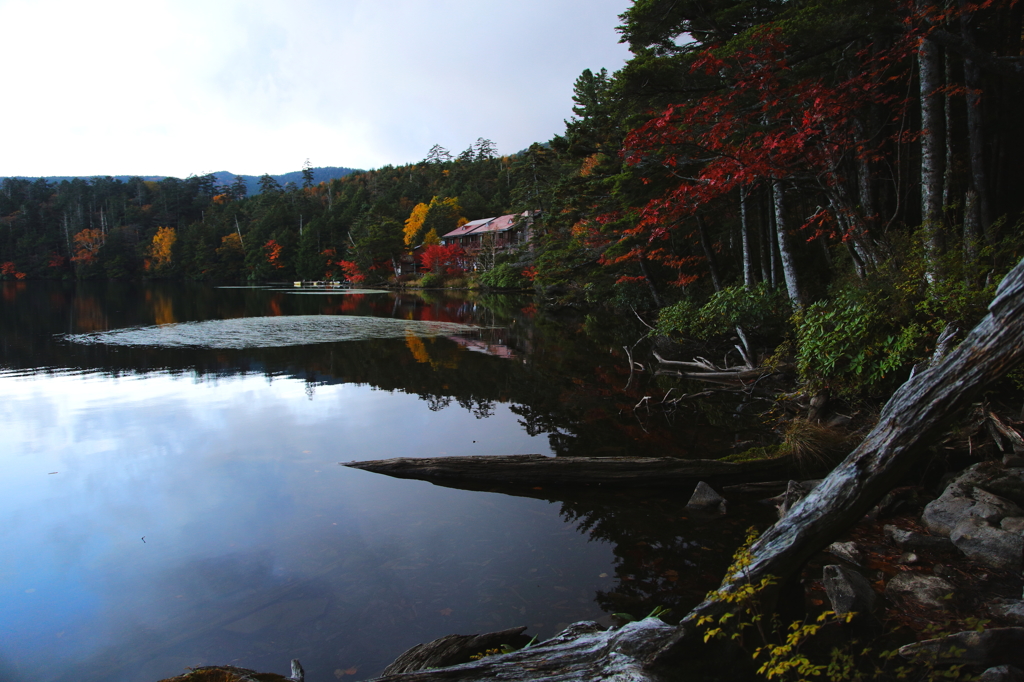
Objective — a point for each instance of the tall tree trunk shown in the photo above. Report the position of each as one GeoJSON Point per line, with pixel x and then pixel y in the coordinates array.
{"type": "Point", "coordinates": [785, 252]}
{"type": "Point", "coordinates": [930, 77]}
{"type": "Point", "coordinates": [709, 254]}
{"type": "Point", "coordinates": [765, 244]}
{"type": "Point", "coordinates": [748, 259]}
{"type": "Point", "coordinates": [975, 126]}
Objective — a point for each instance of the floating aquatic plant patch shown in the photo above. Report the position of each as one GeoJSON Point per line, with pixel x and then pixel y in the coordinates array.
{"type": "Point", "coordinates": [271, 332]}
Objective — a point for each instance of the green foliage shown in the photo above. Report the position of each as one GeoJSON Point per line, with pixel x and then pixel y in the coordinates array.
{"type": "Point", "coordinates": [431, 280]}
{"type": "Point", "coordinates": [757, 309]}
{"type": "Point", "coordinates": [854, 343]}
{"type": "Point", "coordinates": [505, 276]}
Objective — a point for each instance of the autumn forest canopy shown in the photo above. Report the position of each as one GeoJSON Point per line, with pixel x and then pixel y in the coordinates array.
{"type": "Point", "coordinates": [834, 179]}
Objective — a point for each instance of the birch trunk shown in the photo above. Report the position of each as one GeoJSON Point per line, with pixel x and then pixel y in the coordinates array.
{"type": "Point", "coordinates": [930, 77]}
{"type": "Point", "coordinates": [748, 260]}
{"type": "Point", "coordinates": [785, 252]}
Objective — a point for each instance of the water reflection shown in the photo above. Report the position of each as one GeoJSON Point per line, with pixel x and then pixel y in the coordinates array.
{"type": "Point", "coordinates": [172, 507]}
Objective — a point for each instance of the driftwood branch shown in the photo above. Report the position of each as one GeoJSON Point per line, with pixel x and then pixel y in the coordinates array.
{"type": "Point", "coordinates": [919, 411]}
{"type": "Point", "coordinates": [534, 470]}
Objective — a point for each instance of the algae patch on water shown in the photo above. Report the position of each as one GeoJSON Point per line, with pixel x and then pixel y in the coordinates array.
{"type": "Point", "coordinates": [271, 332]}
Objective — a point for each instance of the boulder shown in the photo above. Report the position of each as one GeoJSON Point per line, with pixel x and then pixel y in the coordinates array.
{"type": "Point", "coordinates": [1010, 610]}
{"type": "Point", "coordinates": [1013, 524]}
{"type": "Point", "coordinates": [992, 546]}
{"type": "Point", "coordinates": [994, 647]}
{"type": "Point", "coordinates": [964, 498]}
{"type": "Point", "coordinates": [1002, 673]}
{"type": "Point", "coordinates": [847, 551]}
{"type": "Point", "coordinates": [909, 540]}
{"type": "Point", "coordinates": [848, 590]}
{"type": "Point", "coordinates": [705, 498]}
{"type": "Point", "coordinates": [926, 590]}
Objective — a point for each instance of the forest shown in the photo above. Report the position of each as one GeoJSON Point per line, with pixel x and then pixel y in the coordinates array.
{"type": "Point", "coordinates": [831, 180]}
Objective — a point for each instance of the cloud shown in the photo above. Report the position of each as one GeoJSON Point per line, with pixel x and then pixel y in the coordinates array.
{"type": "Point", "coordinates": [252, 87]}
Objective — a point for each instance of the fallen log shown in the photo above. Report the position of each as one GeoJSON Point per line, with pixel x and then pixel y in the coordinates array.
{"type": "Point", "coordinates": [538, 470]}
{"type": "Point", "coordinates": [920, 410]}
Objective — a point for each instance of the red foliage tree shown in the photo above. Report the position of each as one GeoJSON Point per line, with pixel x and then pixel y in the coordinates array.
{"type": "Point", "coordinates": [764, 125]}
{"type": "Point", "coordinates": [443, 259]}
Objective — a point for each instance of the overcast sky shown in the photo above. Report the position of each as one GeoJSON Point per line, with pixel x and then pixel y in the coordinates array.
{"type": "Point", "coordinates": [180, 87]}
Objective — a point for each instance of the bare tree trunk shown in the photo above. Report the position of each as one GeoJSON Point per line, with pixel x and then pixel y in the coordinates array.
{"type": "Point", "coordinates": [786, 254]}
{"type": "Point", "coordinates": [929, 76]}
{"type": "Point", "coordinates": [709, 254]}
{"type": "Point", "coordinates": [748, 260]}
{"type": "Point", "coordinates": [975, 130]}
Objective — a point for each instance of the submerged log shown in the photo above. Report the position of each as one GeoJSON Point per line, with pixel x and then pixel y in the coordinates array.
{"type": "Point", "coordinates": [534, 470]}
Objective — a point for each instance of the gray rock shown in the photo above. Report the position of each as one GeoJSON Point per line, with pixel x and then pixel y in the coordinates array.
{"type": "Point", "coordinates": [927, 590]}
{"type": "Point", "coordinates": [705, 498]}
{"type": "Point", "coordinates": [848, 590]}
{"type": "Point", "coordinates": [908, 539]}
{"type": "Point", "coordinates": [963, 498]}
{"type": "Point", "coordinates": [1002, 673]}
{"type": "Point", "coordinates": [908, 558]}
{"type": "Point", "coordinates": [1013, 524]}
{"type": "Point", "coordinates": [847, 551]}
{"type": "Point", "coordinates": [992, 546]}
{"type": "Point", "coordinates": [994, 647]}
{"type": "Point", "coordinates": [1011, 610]}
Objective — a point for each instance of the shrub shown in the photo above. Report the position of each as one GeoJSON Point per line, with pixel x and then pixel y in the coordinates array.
{"type": "Point", "coordinates": [431, 281]}
{"type": "Point", "coordinates": [505, 276]}
{"type": "Point", "coordinates": [758, 309]}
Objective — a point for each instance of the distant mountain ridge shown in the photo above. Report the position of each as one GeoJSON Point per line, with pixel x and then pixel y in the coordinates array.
{"type": "Point", "coordinates": [320, 174]}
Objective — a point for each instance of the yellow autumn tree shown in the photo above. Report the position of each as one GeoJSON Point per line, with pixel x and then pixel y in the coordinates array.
{"type": "Point", "coordinates": [160, 250]}
{"type": "Point", "coordinates": [442, 216]}
{"type": "Point", "coordinates": [414, 223]}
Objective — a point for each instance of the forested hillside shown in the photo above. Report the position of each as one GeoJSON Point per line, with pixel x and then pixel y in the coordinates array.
{"type": "Point", "coordinates": [841, 175]}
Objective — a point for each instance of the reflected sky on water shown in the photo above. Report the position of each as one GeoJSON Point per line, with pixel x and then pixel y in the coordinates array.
{"type": "Point", "coordinates": [172, 508]}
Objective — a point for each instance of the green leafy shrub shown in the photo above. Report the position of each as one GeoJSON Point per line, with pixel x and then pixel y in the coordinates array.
{"type": "Point", "coordinates": [854, 343]}
{"type": "Point", "coordinates": [431, 280]}
{"type": "Point", "coordinates": [505, 276]}
{"type": "Point", "coordinates": [758, 309]}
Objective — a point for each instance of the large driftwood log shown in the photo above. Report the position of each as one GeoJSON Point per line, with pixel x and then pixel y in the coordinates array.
{"type": "Point", "coordinates": [918, 411]}
{"type": "Point", "coordinates": [535, 470]}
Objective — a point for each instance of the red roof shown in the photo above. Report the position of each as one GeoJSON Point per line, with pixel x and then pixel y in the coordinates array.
{"type": "Point", "coordinates": [499, 224]}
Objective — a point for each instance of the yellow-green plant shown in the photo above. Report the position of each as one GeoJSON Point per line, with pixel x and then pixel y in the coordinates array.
{"type": "Point", "coordinates": [780, 650]}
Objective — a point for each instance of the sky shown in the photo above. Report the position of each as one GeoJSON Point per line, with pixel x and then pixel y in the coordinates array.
{"type": "Point", "coordinates": [182, 87]}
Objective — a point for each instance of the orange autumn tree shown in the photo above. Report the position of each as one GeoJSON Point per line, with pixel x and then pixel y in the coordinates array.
{"type": "Point", "coordinates": [160, 250]}
{"type": "Point", "coordinates": [441, 216]}
{"type": "Point", "coordinates": [88, 243]}
{"type": "Point", "coordinates": [8, 269]}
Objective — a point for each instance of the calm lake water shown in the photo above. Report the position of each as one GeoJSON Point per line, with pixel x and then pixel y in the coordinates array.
{"type": "Point", "coordinates": [172, 496]}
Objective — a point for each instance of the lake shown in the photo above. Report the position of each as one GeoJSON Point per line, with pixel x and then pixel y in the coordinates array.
{"type": "Point", "coordinates": [173, 497]}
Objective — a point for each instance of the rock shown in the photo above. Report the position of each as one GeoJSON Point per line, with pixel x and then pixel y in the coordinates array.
{"type": "Point", "coordinates": [927, 590]}
{"type": "Point", "coordinates": [454, 649]}
{"type": "Point", "coordinates": [848, 590]}
{"type": "Point", "coordinates": [994, 647]}
{"type": "Point", "coordinates": [705, 498]}
{"type": "Point", "coordinates": [908, 558]}
{"type": "Point", "coordinates": [1002, 673]}
{"type": "Point", "coordinates": [992, 546]}
{"type": "Point", "coordinates": [943, 571]}
{"type": "Point", "coordinates": [964, 498]}
{"type": "Point", "coordinates": [908, 539]}
{"type": "Point", "coordinates": [1013, 460]}
{"type": "Point", "coordinates": [1011, 610]}
{"type": "Point", "coordinates": [847, 551]}
{"type": "Point", "coordinates": [1013, 524]}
